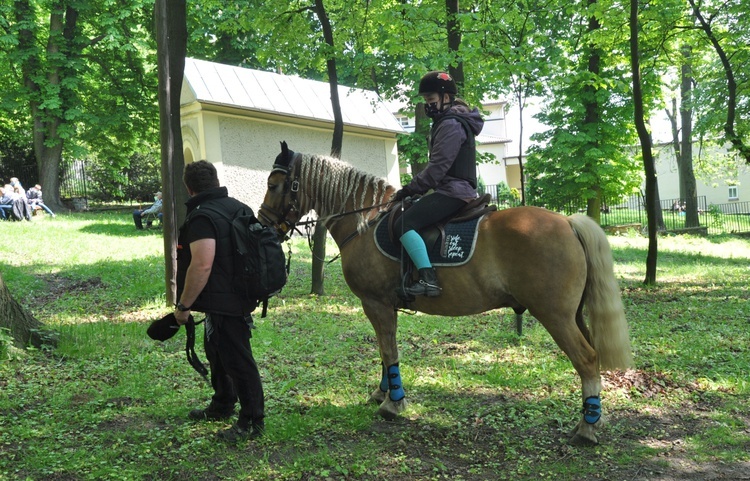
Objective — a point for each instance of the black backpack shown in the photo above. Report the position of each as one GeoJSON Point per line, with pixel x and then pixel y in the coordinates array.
{"type": "Point", "coordinates": [261, 268]}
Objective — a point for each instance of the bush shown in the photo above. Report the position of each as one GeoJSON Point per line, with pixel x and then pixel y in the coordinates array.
{"type": "Point", "coordinates": [138, 181]}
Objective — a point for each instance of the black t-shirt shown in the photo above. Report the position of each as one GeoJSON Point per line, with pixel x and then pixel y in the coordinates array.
{"type": "Point", "coordinates": [201, 227]}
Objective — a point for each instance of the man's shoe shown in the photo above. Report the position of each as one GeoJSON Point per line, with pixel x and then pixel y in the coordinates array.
{"type": "Point", "coordinates": [210, 414]}
{"type": "Point", "coordinates": [427, 285]}
{"type": "Point", "coordinates": [237, 433]}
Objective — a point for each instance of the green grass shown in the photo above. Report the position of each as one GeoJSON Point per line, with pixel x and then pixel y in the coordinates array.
{"type": "Point", "coordinates": [109, 403]}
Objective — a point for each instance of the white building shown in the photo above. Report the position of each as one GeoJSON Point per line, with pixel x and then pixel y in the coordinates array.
{"type": "Point", "coordinates": [719, 186]}
{"type": "Point", "coordinates": [236, 118]}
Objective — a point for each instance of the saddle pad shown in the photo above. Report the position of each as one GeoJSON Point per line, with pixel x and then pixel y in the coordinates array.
{"type": "Point", "coordinates": [460, 240]}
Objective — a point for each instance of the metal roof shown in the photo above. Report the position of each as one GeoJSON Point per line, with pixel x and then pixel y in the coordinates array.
{"type": "Point", "coordinates": [285, 95]}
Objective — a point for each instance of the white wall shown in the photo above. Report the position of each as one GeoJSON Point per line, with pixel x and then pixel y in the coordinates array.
{"type": "Point", "coordinates": [243, 149]}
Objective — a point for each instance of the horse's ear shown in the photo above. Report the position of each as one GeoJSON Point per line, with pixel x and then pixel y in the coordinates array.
{"type": "Point", "coordinates": [284, 159]}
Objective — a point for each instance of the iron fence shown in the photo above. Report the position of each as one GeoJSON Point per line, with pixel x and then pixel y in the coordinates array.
{"type": "Point", "coordinates": [73, 180]}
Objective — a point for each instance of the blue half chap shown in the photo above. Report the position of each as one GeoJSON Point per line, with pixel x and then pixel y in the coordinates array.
{"type": "Point", "coordinates": [394, 383]}
{"type": "Point", "coordinates": [592, 409]}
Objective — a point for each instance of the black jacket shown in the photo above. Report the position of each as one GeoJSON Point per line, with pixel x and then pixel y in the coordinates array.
{"type": "Point", "coordinates": [218, 296]}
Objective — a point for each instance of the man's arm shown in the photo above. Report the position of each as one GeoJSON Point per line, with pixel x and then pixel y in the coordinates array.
{"type": "Point", "coordinates": [202, 258]}
{"type": "Point", "coordinates": [154, 209]}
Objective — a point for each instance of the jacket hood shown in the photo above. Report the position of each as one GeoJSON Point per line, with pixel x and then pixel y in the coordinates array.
{"type": "Point", "coordinates": [473, 117]}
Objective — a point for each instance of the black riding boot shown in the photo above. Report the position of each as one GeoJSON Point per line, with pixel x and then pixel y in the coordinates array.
{"type": "Point", "coordinates": [427, 285]}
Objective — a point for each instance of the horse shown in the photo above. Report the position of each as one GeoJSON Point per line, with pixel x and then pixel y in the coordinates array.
{"type": "Point", "coordinates": [524, 258]}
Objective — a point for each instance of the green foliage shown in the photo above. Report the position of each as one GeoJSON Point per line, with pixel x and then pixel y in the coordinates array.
{"type": "Point", "coordinates": [716, 216]}
{"type": "Point", "coordinates": [138, 181]}
{"type": "Point", "coordinates": [590, 116]}
{"type": "Point", "coordinates": [507, 196]}
{"type": "Point", "coordinates": [412, 149]}
{"type": "Point", "coordinates": [730, 27]}
{"type": "Point", "coordinates": [82, 78]}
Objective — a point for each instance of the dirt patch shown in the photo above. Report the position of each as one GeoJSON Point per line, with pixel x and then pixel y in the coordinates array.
{"type": "Point", "coordinates": [59, 285]}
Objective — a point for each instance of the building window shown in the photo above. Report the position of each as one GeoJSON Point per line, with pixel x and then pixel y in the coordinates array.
{"type": "Point", "coordinates": [404, 121]}
{"type": "Point", "coordinates": [733, 195]}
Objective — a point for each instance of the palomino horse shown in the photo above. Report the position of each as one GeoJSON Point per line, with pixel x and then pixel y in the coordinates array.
{"type": "Point", "coordinates": [525, 257]}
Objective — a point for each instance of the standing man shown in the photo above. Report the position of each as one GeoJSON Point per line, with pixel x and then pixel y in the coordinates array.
{"type": "Point", "coordinates": [205, 271]}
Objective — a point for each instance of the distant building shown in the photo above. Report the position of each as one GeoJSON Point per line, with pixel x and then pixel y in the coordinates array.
{"type": "Point", "coordinates": [236, 117]}
{"type": "Point", "coordinates": [726, 186]}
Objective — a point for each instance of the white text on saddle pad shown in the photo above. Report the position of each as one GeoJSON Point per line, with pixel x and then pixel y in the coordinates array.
{"type": "Point", "coordinates": [453, 247]}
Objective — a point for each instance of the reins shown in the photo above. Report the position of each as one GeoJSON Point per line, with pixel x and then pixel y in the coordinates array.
{"type": "Point", "coordinates": [347, 239]}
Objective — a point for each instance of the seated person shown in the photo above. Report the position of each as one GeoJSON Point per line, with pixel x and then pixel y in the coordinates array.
{"type": "Point", "coordinates": [19, 205]}
{"type": "Point", "coordinates": [5, 203]}
{"type": "Point", "coordinates": [154, 209]}
{"type": "Point", "coordinates": [34, 195]}
{"type": "Point", "coordinates": [16, 184]}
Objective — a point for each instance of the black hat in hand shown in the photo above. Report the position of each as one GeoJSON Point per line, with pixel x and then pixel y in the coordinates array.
{"type": "Point", "coordinates": [164, 328]}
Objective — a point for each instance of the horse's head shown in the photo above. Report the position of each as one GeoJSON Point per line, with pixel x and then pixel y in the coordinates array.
{"type": "Point", "coordinates": [280, 207]}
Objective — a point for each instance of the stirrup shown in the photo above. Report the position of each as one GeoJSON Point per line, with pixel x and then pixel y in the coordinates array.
{"type": "Point", "coordinates": [423, 288]}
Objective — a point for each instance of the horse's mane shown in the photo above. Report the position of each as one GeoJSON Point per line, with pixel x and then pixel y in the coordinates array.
{"type": "Point", "coordinates": [332, 183]}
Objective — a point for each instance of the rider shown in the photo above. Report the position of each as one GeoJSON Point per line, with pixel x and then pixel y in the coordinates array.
{"type": "Point", "coordinates": [450, 173]}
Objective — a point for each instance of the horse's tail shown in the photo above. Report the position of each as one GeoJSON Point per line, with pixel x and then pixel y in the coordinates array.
{"type": "Point", "coordinates": [608, 327]}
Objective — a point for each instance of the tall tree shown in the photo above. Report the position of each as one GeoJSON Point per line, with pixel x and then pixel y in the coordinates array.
{"type": "Point", "coordinates": [582, 155]}
{"type": "Point", "coordinates": [321, 233]}
{"type": "Point", "coordinates": [645, 139]}
{"type": "Point", "coordinates": [688, 189]}
{"type": "Point", "coordinates": [731, 17]}
{"type": "Point", "coordinates": [171, 32]}
{"type": "Point", "coordinates": [77, 70]}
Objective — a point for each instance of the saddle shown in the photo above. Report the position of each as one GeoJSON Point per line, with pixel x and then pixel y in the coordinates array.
{"type": "Point", "coordinates": [450, 242]}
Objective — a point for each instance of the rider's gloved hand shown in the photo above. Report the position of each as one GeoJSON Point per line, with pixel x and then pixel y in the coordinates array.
{"type": "Point", "coordinates": [401, 194]}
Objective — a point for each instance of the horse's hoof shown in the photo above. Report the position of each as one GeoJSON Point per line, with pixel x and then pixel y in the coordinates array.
{"type": "Point", "coordinates": [377, 397]}
{"type": "Point", "coordinates": [390, 410]}
{"type": "Point", "coordinates": [579, 440]}
{"type": "Point", "coordinates": [584, 434]}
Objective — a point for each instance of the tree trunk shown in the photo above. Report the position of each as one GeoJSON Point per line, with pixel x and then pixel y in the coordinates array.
{"type": "Point", "coordinates": [456, 69]}
{"type": "Point", "coordinates": [519, 98]}
{"type": "Point", "coordinates": [321, 233]}
{"type": "Point", "coordinates": [594, 207]}
{"type": "Point", "coordinates": [645, 138]}
{"type": "Point", "coordinates": [171, 38]}
{"type": "Point", "coordinates": [47, 142]}
{"type": "Point", "coordinates": [591, 106]}
{"type": "Point", "coordinates": [688, 189]}
{"type": "Point", "coordinates": [23, 327]}
{"type": "Point", "coordinates": [421, 129]}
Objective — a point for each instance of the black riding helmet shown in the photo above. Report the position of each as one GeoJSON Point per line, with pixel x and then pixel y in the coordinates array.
{"type": "Point", "coordinates": [438, 82]}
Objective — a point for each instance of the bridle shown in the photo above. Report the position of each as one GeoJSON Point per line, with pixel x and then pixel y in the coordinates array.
{"type": "Point", "coordinates": [283, 226]}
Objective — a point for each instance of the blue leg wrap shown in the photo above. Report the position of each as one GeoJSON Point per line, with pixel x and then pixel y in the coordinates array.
{"type": "Point", "coordinates": [383, 379]}
{"type": "Point", "coordinates": [394, 383]}
{"type": "Point", "coordinates": [592, 409]}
